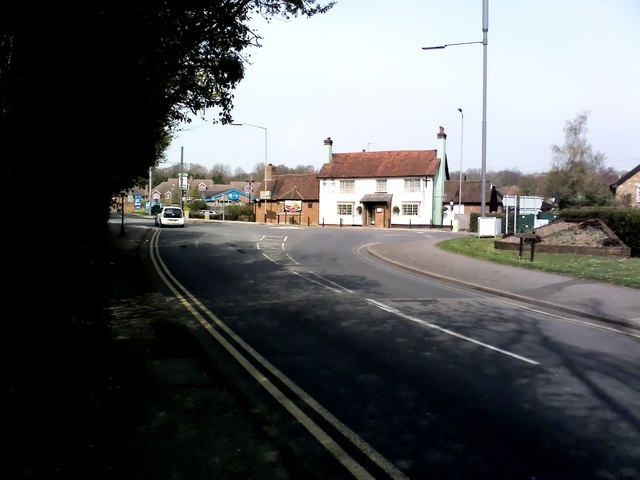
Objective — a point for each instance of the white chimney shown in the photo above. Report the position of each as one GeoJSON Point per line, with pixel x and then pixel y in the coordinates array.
{"type": "Point", "coordinates": [328, 150]}
{"type": "Point", "coordinates": [441, 145]}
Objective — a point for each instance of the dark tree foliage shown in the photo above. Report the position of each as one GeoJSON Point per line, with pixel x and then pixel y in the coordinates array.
{"type": "Point", "coordinates": [90, 93]}
{"type": "Point", "coordinates": [102, 86]}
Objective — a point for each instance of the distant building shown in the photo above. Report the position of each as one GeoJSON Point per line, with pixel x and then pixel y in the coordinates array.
{"type": "Point", "coordinates": [627, 189]}
{"type": "Point", "coordinates": [383, 189]}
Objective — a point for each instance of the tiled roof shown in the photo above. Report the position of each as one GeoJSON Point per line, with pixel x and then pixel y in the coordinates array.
{"type": "Point", "coordinates": [215, 189]}
{"type": "Point", "coordinates": [624, 178]}
{"type": "Point", "coordinates": [509, 190]}
{"type": "Point", "coordinates": [400, 163]}
{"type": "Point", "coordinates": [295, 187]}
{"type": "Point", "coordinates": [471, 192]}
{"type": "Point", "coordinates": [240, 186]}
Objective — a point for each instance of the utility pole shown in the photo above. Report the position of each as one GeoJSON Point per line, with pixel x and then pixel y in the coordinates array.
{"type": "Point", "coordinates": [181, 179]}
{"type": "Point", "coordinates": [149, 196]}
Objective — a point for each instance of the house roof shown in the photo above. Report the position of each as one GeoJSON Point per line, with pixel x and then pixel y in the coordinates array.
{"type": "Point", "coordinates": [624, 178]}
{"type": "Point", "coordinates": [240, 186]}
{"type": "Point", "coordinates": [509, 190]}
{"type": "Point", "coordinates": [295, 187]}
{"type": "Point", "coordinates": [399, 163]}
{"type": "Point", "coordinates": [216, 189]}
{"type": "Point", "coordinates": [471, 192]}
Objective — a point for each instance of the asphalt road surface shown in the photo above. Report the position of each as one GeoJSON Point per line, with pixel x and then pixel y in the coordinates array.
{"type": "Point", "coordinates": [369, 371]}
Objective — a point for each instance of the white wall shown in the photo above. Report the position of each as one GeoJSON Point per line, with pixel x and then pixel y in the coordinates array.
{"type": "Point", "coordinates": [330, 196]}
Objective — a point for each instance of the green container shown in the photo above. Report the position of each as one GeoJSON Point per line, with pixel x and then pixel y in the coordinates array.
{"type": "Point", "coordinates": [547, 216]}
{"type": "Point", "coordinates": [525, 222]}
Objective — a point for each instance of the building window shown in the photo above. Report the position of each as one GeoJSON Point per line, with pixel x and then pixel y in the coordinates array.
{"type": "Point", "coordinates": [345, 208]}
{"type": "Point", "coordinates": [411, 209]}
{"type": "Point", "coordinates": [329, 186]}
{"type": "Point", "coordinates": [411, 184]}
{"type": "Point", "coordinates": [347, 186]}
{"type": "Point", "coordinates": [381, 185]}
{"type": "Point", "coordinates": [637, 192]}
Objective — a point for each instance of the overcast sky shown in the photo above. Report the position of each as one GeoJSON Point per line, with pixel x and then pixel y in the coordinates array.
{"type": "Point", "coordinates": [358, 74]}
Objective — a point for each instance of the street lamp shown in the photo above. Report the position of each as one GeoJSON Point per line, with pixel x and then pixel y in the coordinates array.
{"type": "Point", "coordinates": [485, 30]}
{"type": "Point", "coordinates": [181, 182]}
{"type": "Point", "coordinates": [265, 160]}
{"type": "Point", "coordinates": [460, 184]}
{"type": "Point", "coordinates": [149, 197]}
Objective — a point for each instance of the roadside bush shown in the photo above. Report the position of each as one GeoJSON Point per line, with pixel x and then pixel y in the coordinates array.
{"type": "Point", "coordinates": [196, 205]}
{"type": "Point", "coordinates": [239, 212]}
{"type": "Point", "coordinates": [473, 222]}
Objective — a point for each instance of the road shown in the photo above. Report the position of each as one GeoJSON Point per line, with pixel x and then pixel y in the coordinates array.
{"type": "Point", "coordinates": [373, 372]}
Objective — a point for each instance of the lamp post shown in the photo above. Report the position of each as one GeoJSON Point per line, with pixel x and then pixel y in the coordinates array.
{"type": "Point", "coordinates": [149, 197]}
{"type": "Point", "coordinates": [460, 184]}
{"type": "Point", "coordinates": [181, 179]}
{"type": "Point", "coordinates": [485, 30]}
{"type": "Point", "coordinates": [265, 160]}
{"type": "Point", "coordinates": [484, 42]}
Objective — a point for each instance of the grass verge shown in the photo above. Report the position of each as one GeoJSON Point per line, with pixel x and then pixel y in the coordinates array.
{"type": "Point", "coordinates": [618, 271]}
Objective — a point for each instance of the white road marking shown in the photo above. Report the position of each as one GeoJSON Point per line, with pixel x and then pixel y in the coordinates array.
{"type": "Point", "coordinates": [331, 282]}
{"type": "Point", "coordinates": [316, 282]}
{"type": "Point", "coordinates": [292, 259]}
{"type": "Point", "coordinates": [269, 258]}
{"type": "Point", "coordinates": [397, 312]}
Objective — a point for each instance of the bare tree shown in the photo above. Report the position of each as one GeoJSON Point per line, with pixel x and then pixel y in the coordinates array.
{"type": "Point", "coordinates": [219, 173]}
{"type": "Point", "coordinates": [473, 174]}
{"type": "Point", "coordinates": [529, 186]}
{"type": "Point", "coordinates": [506, 177]}
{"type": "Point", "coordinates": [239, 174]}
{"type": "Point", "coordinates": [576, 178]}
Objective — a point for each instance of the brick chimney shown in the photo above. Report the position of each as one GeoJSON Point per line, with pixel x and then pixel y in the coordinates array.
{"type": "Point", "coordinates": [268, 172]}
{"type": "Point", "coordinates": [328, 150]}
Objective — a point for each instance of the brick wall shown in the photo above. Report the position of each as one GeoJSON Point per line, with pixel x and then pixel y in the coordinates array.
{"type": "Point", "coordinates": [629, 188]}
{"type": "Point", "coordinates": [622, 251]}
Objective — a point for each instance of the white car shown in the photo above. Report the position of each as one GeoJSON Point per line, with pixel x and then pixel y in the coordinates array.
{"type": "Point", "coordinates": [170, 217]}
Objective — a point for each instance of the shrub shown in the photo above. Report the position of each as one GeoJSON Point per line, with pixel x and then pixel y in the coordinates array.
{"type": "Point", "coordinates": [196, 205]}
{"type": "Point", "coordinates": [238, 212]}
{"type": "Point", "coordinates": [473, 222]}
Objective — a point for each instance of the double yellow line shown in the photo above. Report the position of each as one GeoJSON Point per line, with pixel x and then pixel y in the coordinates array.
{"type": "Point", "coordinates": [242, 352]}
